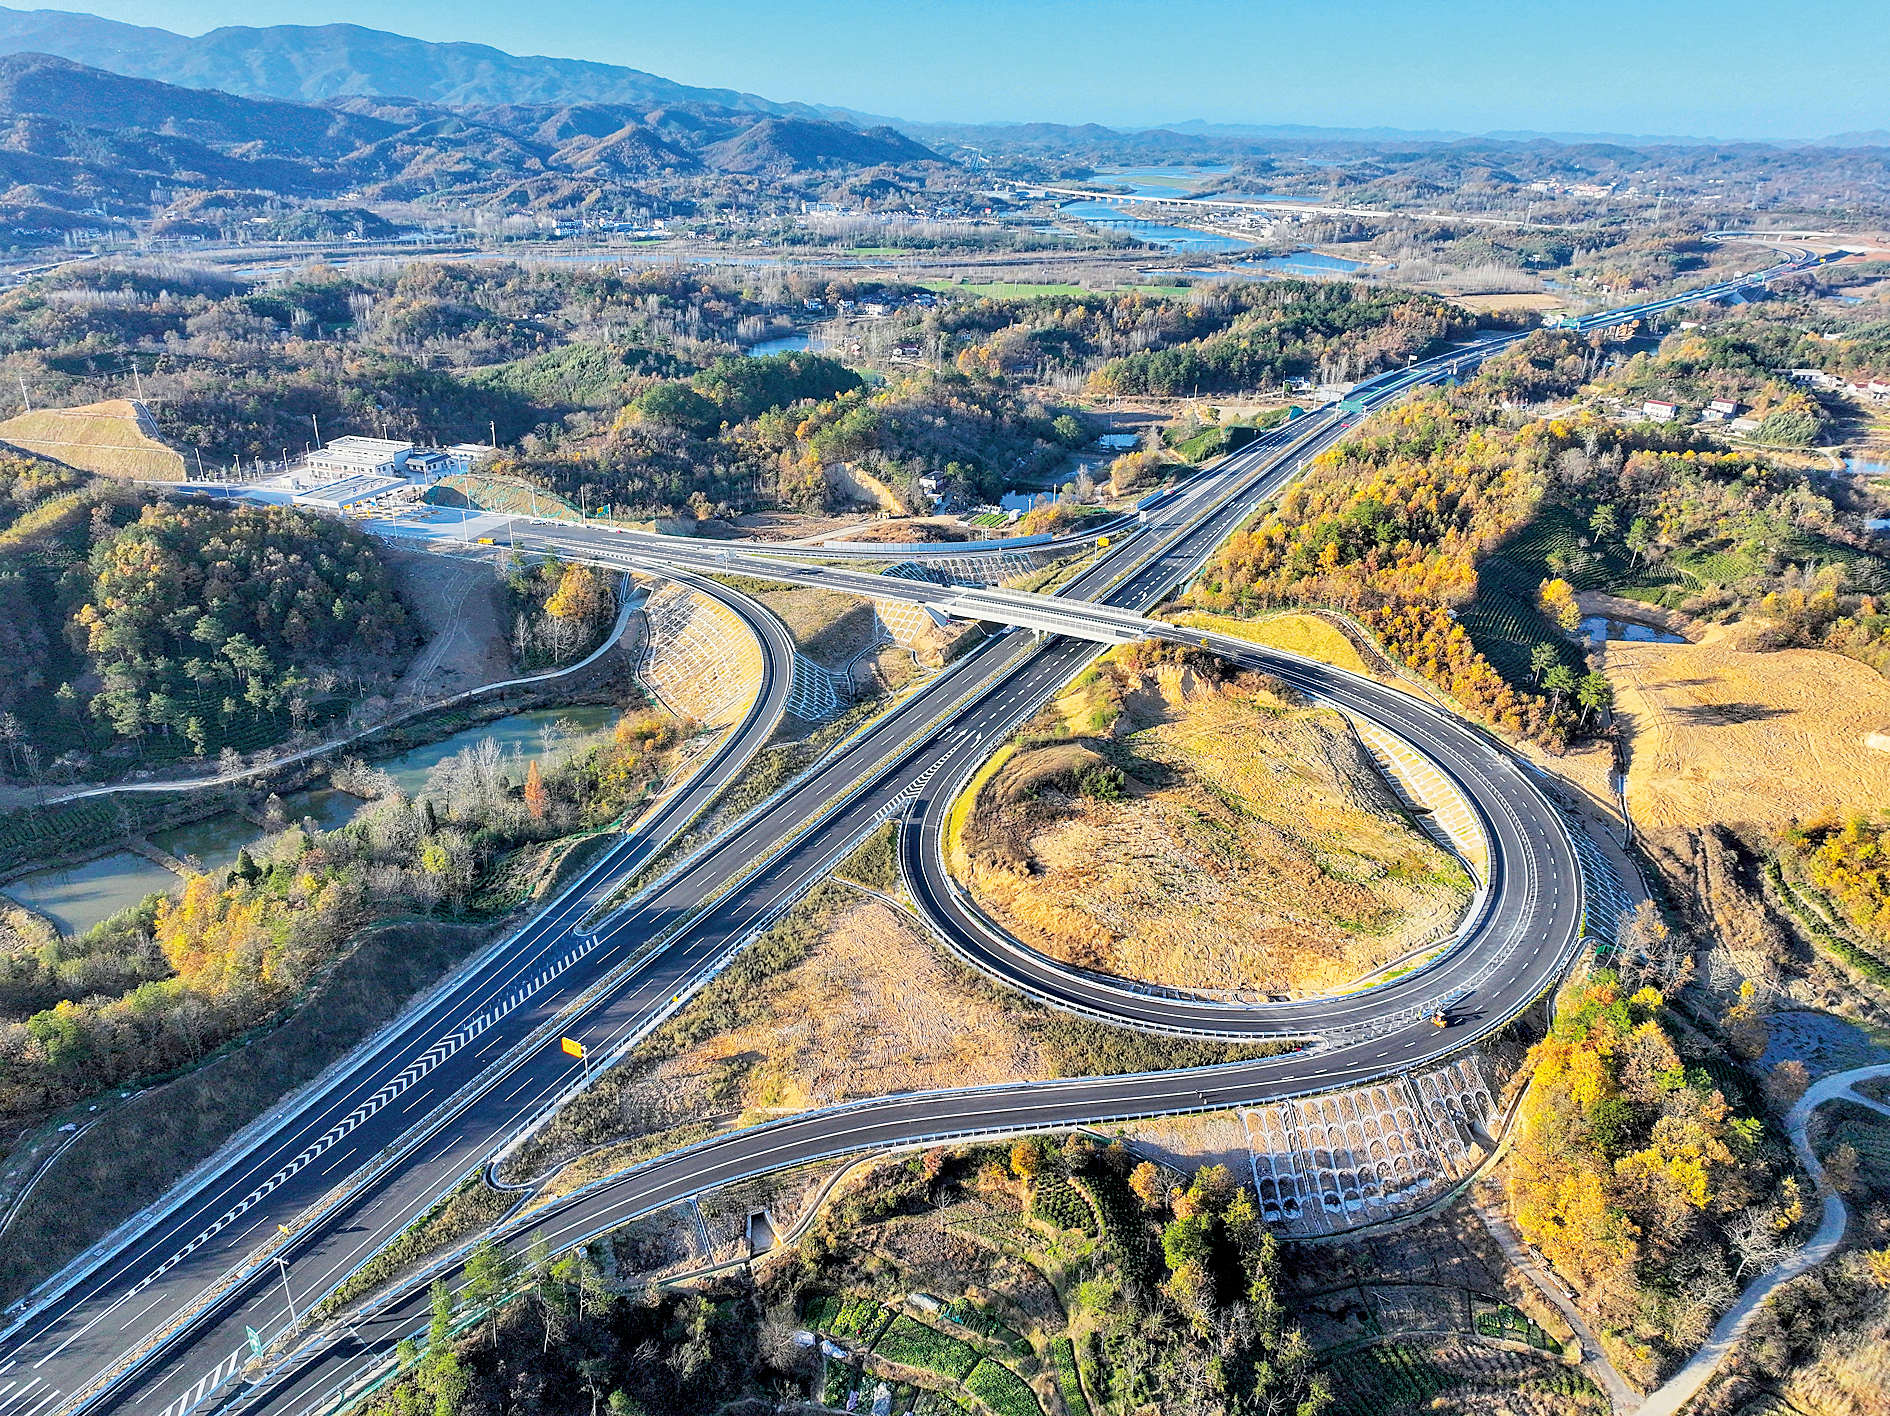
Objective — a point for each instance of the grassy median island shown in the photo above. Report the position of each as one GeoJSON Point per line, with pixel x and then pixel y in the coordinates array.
{"type": "Point", "coordinates": [846, 997]}
{"type": "Point", "coordinates": [1170, 820]}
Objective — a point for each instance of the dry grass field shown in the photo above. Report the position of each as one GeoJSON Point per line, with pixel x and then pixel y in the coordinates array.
{"type": "Point", "coordinates": [872, 1010]}
{"type": "Point", "coordinates": [1253, 845]}
{"type": "Point", "coordinates": [108, 438]}
{"type": "Point", "coordinates": [828, 627]}
{"type": "Point", "coordinates": [1512, 300]}
{"type": "Point", "coordinates": [1717, 735]}
{"type": "Point", "coordinates": [1304, 634]}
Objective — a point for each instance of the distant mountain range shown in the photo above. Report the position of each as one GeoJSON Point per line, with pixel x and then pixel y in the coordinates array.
{"type": "Point", "coordinates": [315, 63]}
{"type": "Point", "coordinates": [82, 148]}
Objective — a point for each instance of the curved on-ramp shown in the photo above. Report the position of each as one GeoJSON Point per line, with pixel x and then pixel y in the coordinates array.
{"type": "Point", "coordinates": [1524, 934]}
{"type": "Point", "coordinates": [400, 1090]}
{"type": "Point", "coordinates": [1523, 929]}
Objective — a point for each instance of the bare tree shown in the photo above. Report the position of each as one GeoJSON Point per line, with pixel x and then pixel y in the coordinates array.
{"type": "Point", "coordinates": [1758, 1240]}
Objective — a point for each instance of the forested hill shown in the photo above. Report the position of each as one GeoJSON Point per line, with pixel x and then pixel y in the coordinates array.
{"type": "Point", "coordinates": [83, 148]}
{"type": "Point", "coordinates": [309, 63]}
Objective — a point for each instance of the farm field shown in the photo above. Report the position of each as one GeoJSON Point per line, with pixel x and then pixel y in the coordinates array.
{"type": "Point", "coordinates": [1512, 300]}
{"type": "Point", "coordinates": [1720, 735]}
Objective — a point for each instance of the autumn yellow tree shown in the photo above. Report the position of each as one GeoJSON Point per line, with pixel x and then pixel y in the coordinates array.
{"type": "Point", "coordinates": [537, 797]}
{"type": "Point", "coordinates": [581, 595]}
{"type": "Point", "coordinates": [1557, 600]}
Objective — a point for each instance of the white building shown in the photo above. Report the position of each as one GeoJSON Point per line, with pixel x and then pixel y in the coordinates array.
{"type": "Point", "coordinates": [466, 456]}
{"type": "Point", "coordinates": [1658, 410]}
{"type": "Point", "coordinates": [360, 457]}
{"type": "Point", "coordinates": [358, 492]}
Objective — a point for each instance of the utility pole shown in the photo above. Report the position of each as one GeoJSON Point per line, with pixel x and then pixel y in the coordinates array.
{"type": "Point", "coordinates": [318, 428]}
{"type": "Point", "coordinates": [23, 396]}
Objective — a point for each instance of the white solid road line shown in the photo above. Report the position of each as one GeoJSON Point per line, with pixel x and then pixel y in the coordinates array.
{"type": "Point", "coordinates": [879, 1124]}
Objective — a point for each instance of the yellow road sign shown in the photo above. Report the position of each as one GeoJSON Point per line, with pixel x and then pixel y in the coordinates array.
{"type": "Point", "coordinates": [573, 1047]}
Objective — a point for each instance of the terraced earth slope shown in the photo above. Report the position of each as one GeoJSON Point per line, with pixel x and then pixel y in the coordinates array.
{"type": "Point", "coordinates": [1170, 821]}
{"type": "Point", "coordinates": [116, 438]}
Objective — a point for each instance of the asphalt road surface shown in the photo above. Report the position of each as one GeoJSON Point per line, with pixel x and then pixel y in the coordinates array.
{"type": "Point", "coordinates": [160, 1322]}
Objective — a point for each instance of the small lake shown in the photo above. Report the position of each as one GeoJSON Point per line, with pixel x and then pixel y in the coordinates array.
{"type": "Point", "coordinates": [76, 899]}
{"type": "Point", "coordinates": [1179, 238]}
{"type": "Point", "coordinates": [1023, 501]}
{"type": "Point", "coordinates": [527, 732]}
{"type": "Point", "coordinates": [1867, 466]}
{"type": "Point", "coordinates": [81, 897]}
{"type": "Point", "coordinates": [1599, 629]}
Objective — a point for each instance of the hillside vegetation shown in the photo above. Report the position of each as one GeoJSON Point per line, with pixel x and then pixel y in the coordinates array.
{"type": "Point", "coordinates": [1173, 822]}
{"type": "Point", "coordinates": [161, 985]}
{"type": "Point", "coordinates": [1640, 1180]}
{"type": "Point", "coordinates": [1458, 527]}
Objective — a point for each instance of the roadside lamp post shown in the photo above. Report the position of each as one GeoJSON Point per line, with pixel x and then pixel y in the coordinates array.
{"type": "Point", "coordinates": [288, 1292]}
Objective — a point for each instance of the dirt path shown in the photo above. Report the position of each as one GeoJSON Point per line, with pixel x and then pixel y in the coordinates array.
{"type": "Point", "coordinates": [1621, 1396]}
{"type": "Point", "coordinates": [457, 601]}
{"type": "Point", "coordinates": [1673, 1395]}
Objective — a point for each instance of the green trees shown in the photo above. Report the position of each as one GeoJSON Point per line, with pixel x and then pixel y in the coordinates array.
{"type": "Point", "coordinates": [683, 1353]}
{"type": "Point", "coordinates": [200, 620]}
{"type": "Point", "coordinates": [1265, 334]}
{"type": "Point", "coordinates": [1542, 658]}
{"type": "Point", "coordinates": [1560, 682]}
{"type": "Point", "coordinates": [491, 1274]}
{"type": "Point", "coordinates": [677, 405]}
{"type": "Point", "coordinates": [1595, 694]}
{"type": "Point", "coordinates": [742, 387]}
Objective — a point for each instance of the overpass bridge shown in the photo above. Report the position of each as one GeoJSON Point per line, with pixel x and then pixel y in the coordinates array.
{"type": "Point", "coordinates": [1018, 609]}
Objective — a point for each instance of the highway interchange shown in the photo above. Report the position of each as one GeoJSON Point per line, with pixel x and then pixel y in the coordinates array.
{"type": "Point", "coordinates": [160, 1318]}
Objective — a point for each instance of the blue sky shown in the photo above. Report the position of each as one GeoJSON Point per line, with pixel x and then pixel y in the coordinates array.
{"type": "Point", "coordinates": [1731, 68]}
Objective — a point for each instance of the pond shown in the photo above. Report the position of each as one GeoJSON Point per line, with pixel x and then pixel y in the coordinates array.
{"type": "Point", "coordinates": [1023, 501]}
{"type": "Point", "coordinates": [785, 344]}
{"type": "Point", "coordinates": [1179, 238]}
{"type": "Point", "coordinates": [75, 899]}
{"type": "Point", "coordinates": [1878, 466]}
{"type": "Point", "coordinates": [210, 844]}
{"type": "Point", "coordinates": [524, 731]}
{"type": "Point", "coordinates": [1599, 629]}
{"type": "Point", "coordinates": [80, 897]}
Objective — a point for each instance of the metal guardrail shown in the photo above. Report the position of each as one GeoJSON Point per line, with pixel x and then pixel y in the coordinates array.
{"type": "Point", "coordinates": [1503, 955]}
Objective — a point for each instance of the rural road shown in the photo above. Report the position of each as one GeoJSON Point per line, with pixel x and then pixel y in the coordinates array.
{"type": "Point", "coordinates": [1672, 1395]}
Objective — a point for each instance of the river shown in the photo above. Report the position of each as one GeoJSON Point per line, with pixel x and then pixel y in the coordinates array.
{"type": "Point", "coordinates": [1112, 217]}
